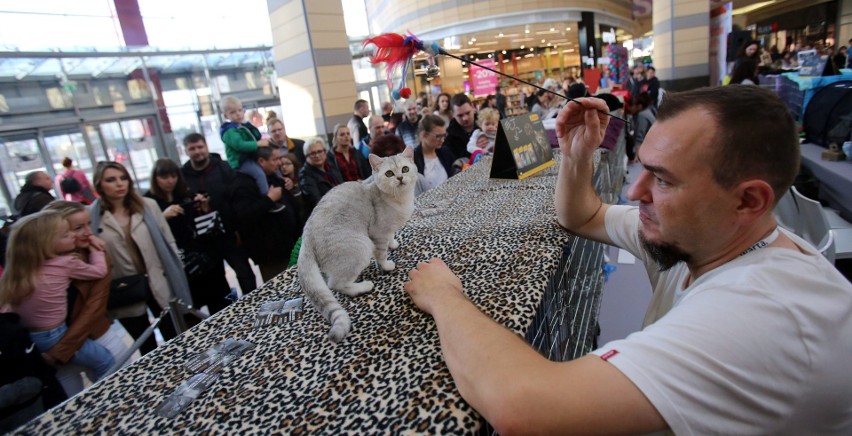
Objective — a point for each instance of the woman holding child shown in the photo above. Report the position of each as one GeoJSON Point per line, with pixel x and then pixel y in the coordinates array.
{"type": "Point", "coordinates": [140, 241]}
{"type": "Point", "coordinates": [41, 264]}
{"type": "Point", "coordinates": [87, 303]}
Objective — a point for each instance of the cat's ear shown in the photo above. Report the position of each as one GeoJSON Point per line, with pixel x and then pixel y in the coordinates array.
{"type": "Point", "coordinates": [408, 152]}
{"type": "Point", "coordinates": [375, 162]}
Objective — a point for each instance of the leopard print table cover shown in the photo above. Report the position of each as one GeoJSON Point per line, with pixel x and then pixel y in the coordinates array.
{"type": "Point", "coordinates": [388, 375]}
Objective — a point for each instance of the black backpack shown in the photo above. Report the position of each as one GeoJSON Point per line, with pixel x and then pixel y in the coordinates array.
{"type": "Point", "coordinates": [70, 185]}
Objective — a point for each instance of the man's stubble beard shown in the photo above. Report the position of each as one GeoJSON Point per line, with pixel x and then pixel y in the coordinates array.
{"type": "Point", "coordinates": [665, 255]}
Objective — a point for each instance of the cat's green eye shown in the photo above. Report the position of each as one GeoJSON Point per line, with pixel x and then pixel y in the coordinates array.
{"type": "Point", "coordinates": [405, 169]}
{"type": "Point", "coordinates": [389, 173]}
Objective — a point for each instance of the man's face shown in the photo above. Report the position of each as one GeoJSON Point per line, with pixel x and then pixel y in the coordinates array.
{"type": "Point", "coordinates": [411, 112]}
{"type": "Point", "coordinates": [651, 74]}
{"type": "Point", "coordinates": [198, 153]}
{"type": "Point", "coordinates": [464, 115]}
{"type": "Point", "coordinates": [377, 127]}
{"type": "Point", "coordinates": [270, 165]}
{"type": "Point", "coordinates": [43, 181]}
{"type": "Point", "coordinates": [684, 214]}
{"type": "Point", "coordinates": [364, 110]}
{"type": "Point", "coordinates": [278, 133]}
{"type": "Point", "coordinates": [638, 71]}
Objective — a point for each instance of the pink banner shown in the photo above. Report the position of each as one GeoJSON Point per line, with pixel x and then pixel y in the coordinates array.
{"type": "Point", "coordinates": [484, 82]}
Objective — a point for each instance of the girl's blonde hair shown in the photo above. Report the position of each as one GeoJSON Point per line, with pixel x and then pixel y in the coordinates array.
{"type": "Point", "coordinates": [488, 114]}
{"type": "Point", "coordinates": [30, 246]}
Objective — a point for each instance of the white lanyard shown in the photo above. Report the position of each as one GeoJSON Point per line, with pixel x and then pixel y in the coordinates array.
{"type": "Point", "coordinates": [763, 242]}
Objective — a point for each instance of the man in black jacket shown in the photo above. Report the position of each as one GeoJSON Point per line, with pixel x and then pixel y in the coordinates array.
{"type": "Point", "coordinates": [35, 194]}
{"type": "Point", "coordinates": [207, 173]}
{"type": "Point", "coordinates": [269, 237]}
{"type": "Point", "coordinates": [462, 126]}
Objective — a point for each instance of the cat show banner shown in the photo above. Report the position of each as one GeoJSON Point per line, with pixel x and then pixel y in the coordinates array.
{"type": "Point", "coordinates": [521, 148]}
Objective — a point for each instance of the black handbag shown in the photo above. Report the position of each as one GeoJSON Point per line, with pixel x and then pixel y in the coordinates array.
{"type": "Point", "coordinates": [196, 264]}
{"type": "Point", "coordinates": [127, 290]}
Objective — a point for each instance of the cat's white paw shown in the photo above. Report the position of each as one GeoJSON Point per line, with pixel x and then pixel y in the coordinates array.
{"type": "Point", "coordinates": [387, 265]}
{"type": "Point", "coordinates": [394, 244]}
{"type": "Point", "coordinates": [356, 289]}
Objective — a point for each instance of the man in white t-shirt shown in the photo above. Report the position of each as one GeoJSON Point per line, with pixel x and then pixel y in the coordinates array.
{"type": "Point", "coordinates": [749, 328]}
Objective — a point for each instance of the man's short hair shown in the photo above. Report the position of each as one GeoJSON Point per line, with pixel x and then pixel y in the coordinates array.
{"type": "Point", "coordinates": [652, 69]}
{"type": "Point", "coordinates": [266, 152]}
{"type": "Point", "coordinates": [756, 136]}
{"type": "Point", "coordinates": [193, 138]}
{"type": "Point", "coordinates": [360, 103]}
{"type": "Point", "coordinates": [31, 177]}
{"type": "Point", "coordinates": [459, 100]}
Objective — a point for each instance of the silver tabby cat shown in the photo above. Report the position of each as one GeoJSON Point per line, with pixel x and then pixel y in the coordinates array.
{"type": "Point", "coordinates": [353, 223]}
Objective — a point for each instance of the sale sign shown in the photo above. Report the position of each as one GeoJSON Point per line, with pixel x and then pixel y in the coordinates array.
{"type": "Point", "coordinates": [484, 81]}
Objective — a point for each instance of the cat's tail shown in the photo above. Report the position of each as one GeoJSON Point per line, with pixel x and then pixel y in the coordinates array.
{"type": "Point", "coordinates": [321, 296]}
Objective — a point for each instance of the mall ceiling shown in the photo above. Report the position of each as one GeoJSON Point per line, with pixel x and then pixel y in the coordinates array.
{"type": "Point", "coordinates": [563, 34]}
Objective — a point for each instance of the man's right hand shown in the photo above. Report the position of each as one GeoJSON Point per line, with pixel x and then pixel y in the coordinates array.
{"type": "Point", "coordinates": [580, 128]}
{"type": "Point", "coordinates": [274, 193]}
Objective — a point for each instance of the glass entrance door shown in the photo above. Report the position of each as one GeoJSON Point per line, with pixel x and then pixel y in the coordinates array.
{"type": "Point", "coordinates": [19, 155]}
{"type": "Point", "coordinates": [131, 143]}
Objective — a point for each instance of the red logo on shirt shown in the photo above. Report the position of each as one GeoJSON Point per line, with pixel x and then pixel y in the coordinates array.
{"type": "Point", "coordinates": [609, 354]}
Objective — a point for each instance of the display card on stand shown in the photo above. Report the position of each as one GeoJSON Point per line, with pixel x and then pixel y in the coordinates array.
{"type": "Point", "coordinates": [521, 148]}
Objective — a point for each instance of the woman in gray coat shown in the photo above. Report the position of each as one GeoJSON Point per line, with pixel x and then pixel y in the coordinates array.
{"type": "Point", "coordinates": [140, 242]}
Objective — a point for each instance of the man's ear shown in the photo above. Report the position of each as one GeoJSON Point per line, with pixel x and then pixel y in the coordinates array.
{"type": "Point", "coordinates": [756, 199]}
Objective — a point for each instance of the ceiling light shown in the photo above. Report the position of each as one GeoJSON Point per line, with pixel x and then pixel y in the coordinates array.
{"type": "Point", "coordinates": [552, 29]}
{"type": "Point", "coordinates": [542, 41]}
{"type": "Point", "coordinates": [548, 44]}
{"type": "Point", "coordinates": [504, 51]}
{"type": "Point", "coordinates": [470, 43]}
{"type": "Point", "coordinates": [527, 31]}
{"type": "Point", "coordinates": [473, 39]}
{"type": "Point", "coordinates": [532, 49]}
{"type": "Point", "coordinates": [500, 35]}
{"type": "Point", "coordinates": [490, 56]}
{"type": "Point", "coordinates": [568, 29]}
{"type": "Point", "coordinates": [522, 47]}
{"type": "Point", "coordinates": [751, 7]}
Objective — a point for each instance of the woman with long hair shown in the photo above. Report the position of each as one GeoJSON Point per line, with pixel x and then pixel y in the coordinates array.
{"type": "Point", "coordinates": [352, 164]}
{"type": "Point", "coordinates": [87, 303]}
{"type": "Point", "coordinates": [442, 108]}
{"type": "Point", "coordinates": [202, 248]}
{"type": "Point", "coordinates": [319, 174]}
{"type": "Point", "coordinates": [140, 242]}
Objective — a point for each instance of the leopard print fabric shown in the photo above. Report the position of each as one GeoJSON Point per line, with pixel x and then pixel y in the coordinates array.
{"type": "Point", "coordinates": [388, 376]}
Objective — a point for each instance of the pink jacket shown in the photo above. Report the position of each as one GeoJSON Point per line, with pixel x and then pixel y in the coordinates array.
{"type": "Point", "coordinates": [84, 184]}
{"type": "Point", "coordinates": [47, 305]}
